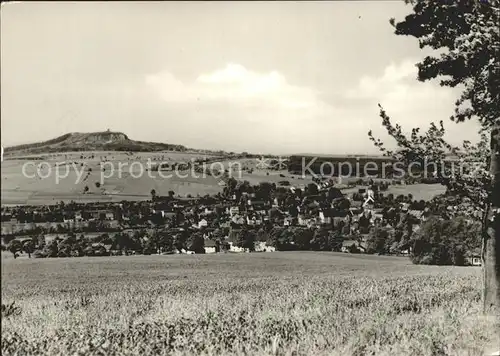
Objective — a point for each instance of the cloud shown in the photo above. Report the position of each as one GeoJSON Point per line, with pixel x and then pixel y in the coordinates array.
{"type": "Point", "coordinates": [391, 81]}
{"type": "Point", "coordinates": [238, 85]}
{"type": "Point", "coordinates": [410, 102]}
{"type": "Point", "coordinates": [250, 111]}
{"type": "Point", "coordinates": [398, 87]}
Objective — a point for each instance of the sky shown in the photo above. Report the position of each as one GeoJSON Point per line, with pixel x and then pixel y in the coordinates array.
{"type": "Point", "coordinates": [261, 77]}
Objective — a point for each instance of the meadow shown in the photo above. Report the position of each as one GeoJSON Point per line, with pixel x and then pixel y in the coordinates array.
{"type": "Point", "coordinates": [283, 303]}
{"type": "Point", "coordinates": [127, 183]}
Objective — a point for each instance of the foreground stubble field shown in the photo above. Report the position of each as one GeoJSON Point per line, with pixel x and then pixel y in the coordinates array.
{"type": "Point", "coordinates": [261, 304]}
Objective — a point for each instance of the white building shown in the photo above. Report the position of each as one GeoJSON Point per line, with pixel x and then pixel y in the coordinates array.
{"type": "Point", "coordinates": [234, 210]}
{"type": "Point", "coordinates": [234, 248]}
{"type": "Point", "coordinates": [324, 219]}
{"type": "Point", "coordinates": [261, 246]}
{"type": "Point", "coordinates": [202, 223]}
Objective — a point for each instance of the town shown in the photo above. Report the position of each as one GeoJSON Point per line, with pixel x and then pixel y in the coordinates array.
{"type": "Point", "coordinates": [243, 218]}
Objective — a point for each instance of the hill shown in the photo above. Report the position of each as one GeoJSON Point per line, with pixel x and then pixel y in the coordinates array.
{"type": "Point", "coordinates": [92, 141]}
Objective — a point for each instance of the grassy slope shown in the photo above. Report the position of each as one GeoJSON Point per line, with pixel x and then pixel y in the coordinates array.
{"type": "Point", "coordinates": [91, 141]}
{"type": "Point", "coordinates": [269, 303]}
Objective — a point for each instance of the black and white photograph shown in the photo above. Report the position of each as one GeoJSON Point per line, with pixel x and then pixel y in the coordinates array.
{"type": "Point", "coordinates": [260, 178]}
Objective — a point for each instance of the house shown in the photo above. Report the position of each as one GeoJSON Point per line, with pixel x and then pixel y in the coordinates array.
{"type": "Point", "coordinates": [222, 183]}
{"type": "Point", "coordinates": [234, 248]}
{"type": "Point", "coordinates": [405, 252]}
{"type": "Point", "coordinates": [234, 210]}
{"type": "Point", "coordinates": [474, 258]}
{"type": "Point", "coordinates": [168, 215]}
{"type": "Point", "coordinates": [238, 219]}
{"type": "Point", "coordinates": [258, 205]}
{"type": "Point", "coordinates": [306, 221]}
{"type": "Point", "coordinates": [368, 203]}
{"type": "Point", "coordinates": [376, 217]}
{"type": "Point", "coordinates": [325, 217]}
{"type": "Point", "coordinates": [325, 184]}
{"type": "Point", "coordinates": [355, 212]}
{"type": "Point", "coordinates": [210, 246]}
{"type": "Point", "coordinates": [202, 223]}
{"type": "Point", "coordinates": [356, 205]}
{"type": "Point", "coordinates": [270, 249]}
{"type": "Point", "coordinates": [109, 215]}
{"type": "Point", "coordinates": [261, 246]}
{"type": "Point", "coordinates": [254, 220]}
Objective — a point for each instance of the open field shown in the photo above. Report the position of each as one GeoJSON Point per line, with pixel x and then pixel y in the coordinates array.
{"type": "Point", "coordinates": [123, 184]}
{"type": "Point", "coordinates": [67, 182]}
{"type": "Point", "coordinates": [419, 191]}
{"type": "Point", "coordinates": [267, 303]}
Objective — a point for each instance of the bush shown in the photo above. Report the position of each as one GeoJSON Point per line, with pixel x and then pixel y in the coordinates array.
{"type": "Point", "coordinates": [88, 251]}
{"type": "Point", "coordinates": [63, 253]}
{"type": "Point", "coordinates": [10, 310]}
{"type": "Point", "coordinates": [39, 254]}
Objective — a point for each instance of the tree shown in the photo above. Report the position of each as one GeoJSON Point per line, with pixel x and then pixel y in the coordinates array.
{"type": "Point", "coordinates": [14, 247]}
{"type": "Point", "coordinates": [282, 238]}
{"type": "Point", "coordinates": [312, 189]}
{"type": "Point", "coordinates": [445, 242]}
{"type": "Point", "coordinates": [263, 190]}
{"type": "Point", "coordinates": [302, 238]}
{"type": "Point", "coordinates": [466, 32]}
{"type": "Point", "coordinates": [149, 248]}
{"type": "Point", "coordinates": [334, 193]}
{"type": "Point", "coordinates": [28, 247]}
{"type": "Point", "coordinates": [51, 249]}
{"type": "Point", "coordinates": [378, 241]}
{"type": "Point", "coordinates": [180, 241]}
{"type": "Point", "coordinates": [321, 240]}
{"type": "Point", "coordinates": [246, 239]}
{"type": "Point", "coordinates": [196, 243]}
